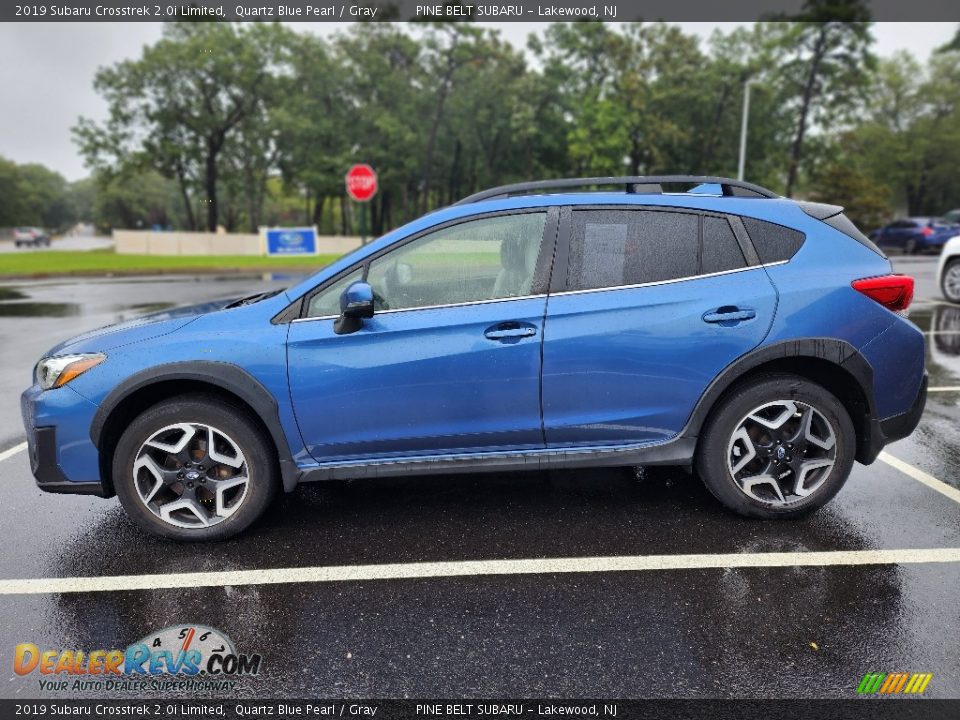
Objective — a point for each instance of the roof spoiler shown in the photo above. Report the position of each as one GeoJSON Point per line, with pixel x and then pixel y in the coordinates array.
{"type": "Point", "coordinates": [820, 211]}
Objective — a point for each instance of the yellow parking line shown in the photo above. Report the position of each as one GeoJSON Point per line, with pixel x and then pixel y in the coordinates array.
{"type": "Point", "coordinates": [919, 475]}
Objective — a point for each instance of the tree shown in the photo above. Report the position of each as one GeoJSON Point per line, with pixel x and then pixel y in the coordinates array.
{"type": "Point", "coordinates": [9, 200]}
{"type": "Point", "coordinates": [176, 108]}
{"type": "Point", "coordinates": [313, 126]}
{"type": "Point", "coordinates": [827, 47]}
{"type": "Point", "coordinates": [32, 194]}
{"type": "Point", "coordinates": [844, 181]}
{"type": "Point", "coordinates": [953, 45]}
{"type": "Point", "coordinates": [135, 200]}
{"type": "Point", "coordinates": [910, 138]}
{"type": "Point", "coordinates": [386, 96]}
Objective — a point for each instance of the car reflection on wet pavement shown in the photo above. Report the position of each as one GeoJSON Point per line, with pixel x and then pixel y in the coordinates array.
{"type": "Point", "coordinates": [790, 631]}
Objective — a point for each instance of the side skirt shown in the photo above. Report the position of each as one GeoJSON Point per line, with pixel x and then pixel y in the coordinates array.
{"type": "Point", "coordinates": [678, 451]}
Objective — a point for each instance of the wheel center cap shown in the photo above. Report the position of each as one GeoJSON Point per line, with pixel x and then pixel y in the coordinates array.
{"type": "Point", "coordinates": [192, 475]}
{"type": "Point", "coordinates": [781, 453]}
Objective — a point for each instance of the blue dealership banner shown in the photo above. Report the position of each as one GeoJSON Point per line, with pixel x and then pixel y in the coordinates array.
{"type": "Point", "coordinates": [291, 241]}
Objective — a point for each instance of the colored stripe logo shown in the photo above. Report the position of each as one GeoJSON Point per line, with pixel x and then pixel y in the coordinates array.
{"type": "Point", "coordinates": [894, 683]}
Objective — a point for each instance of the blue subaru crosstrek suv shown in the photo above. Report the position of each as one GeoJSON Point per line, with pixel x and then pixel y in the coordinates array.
{"type": "Point", "coordinates": [700, 322]}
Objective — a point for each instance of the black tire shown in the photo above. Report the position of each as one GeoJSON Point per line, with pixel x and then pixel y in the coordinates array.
{"type": "Point", "coordinates": [951, 266]}
{"type": "Point", "coordinates": [234, 425]}
{"type": "Point", "coordinates": [715, 451]}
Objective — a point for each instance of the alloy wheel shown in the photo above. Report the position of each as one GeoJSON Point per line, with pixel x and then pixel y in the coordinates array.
{"type": "Point", "coordinates": [782, 452]}
{"type": "Point", "coordinates": [951, 282]}
{"type": "Point", "coordinates": [191, 475]}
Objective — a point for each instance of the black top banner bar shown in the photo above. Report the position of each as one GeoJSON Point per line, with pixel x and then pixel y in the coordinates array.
{"type": "Point", "coordinates": [174, 709]}
{"type": "Point", "coordinates": [444, 10]}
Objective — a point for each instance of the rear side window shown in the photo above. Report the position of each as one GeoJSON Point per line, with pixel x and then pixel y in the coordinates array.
{"type": "Point", "coordinates": [842, 223]}
{"type": "Point", "coordinates": [721, 251]}
{"type": "Point", "coordinates": [774, 243]}
{"type": "Point", "coordinates": [610, 248]}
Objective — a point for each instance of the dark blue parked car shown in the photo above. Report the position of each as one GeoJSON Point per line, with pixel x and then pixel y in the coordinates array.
{"type": "Point", "coordinates": [756, 339]}
{"type": "Point", "coordinates": [915, 235]}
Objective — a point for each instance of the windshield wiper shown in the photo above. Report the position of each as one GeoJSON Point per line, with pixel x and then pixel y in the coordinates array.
{"type": "Point", "coordinates": [250, 299]}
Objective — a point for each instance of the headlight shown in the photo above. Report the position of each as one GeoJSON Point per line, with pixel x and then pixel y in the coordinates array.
{"type": "Point", "coordinates": [52, 372]}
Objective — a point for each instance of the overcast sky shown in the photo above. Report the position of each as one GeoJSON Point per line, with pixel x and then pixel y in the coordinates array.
{"type": "Point", "coordinates": [47, 69]}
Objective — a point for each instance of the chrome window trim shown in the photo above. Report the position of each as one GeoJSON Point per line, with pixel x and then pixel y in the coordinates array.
{"type": "Point", "coordinates": [553, 294]}
{"type": "Point", "coordinates": [608, 288]}
{"type": "Point", "coordinates": [432, 307]}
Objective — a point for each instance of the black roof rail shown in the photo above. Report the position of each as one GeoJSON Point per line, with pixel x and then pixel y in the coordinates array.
{"type": "Point", "coordinates": [636, 184]}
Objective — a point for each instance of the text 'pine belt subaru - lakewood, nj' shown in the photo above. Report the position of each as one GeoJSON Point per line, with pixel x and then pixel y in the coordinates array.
{"type": "Point", "coordinates": [560, 324]}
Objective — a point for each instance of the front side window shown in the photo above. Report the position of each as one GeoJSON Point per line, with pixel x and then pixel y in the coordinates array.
{"type": "Point", "coordinates": [327, 301]}
{"type": "Point", "coordinates": [610, 248]}
{"type": "Point", "coordinates": [484, 259]}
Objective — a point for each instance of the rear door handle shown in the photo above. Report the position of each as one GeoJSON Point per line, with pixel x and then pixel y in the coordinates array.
{"type": "Point", "coordinates": [729, 314]}
{"type": "Point", "coordinates": [510, 331]}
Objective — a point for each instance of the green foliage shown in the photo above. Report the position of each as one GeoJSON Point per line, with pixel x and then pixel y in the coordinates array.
{"type": "Point", "coordinates": [34, 195]}
{"type": "Point", "coordinates": [248, 124]}
{"type": "Point", "coordinates": [953, 45]}
{"type": "Point", "coordinates": [842, 182]}
{"type": "Point", "coordinates": [203, 88]}
{"type": "Point", "coordinates": [98, 262]}
{"type": "Point", "coordinates": [910, 138]}
{"type": "Point", "coordinates": [822, 69]}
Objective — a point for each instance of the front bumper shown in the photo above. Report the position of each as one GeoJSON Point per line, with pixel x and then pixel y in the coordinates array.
{"type": "Point", "coordinates": [62, 458]}
{"type": "Point", "coordinates": [883, 432]}
{"type": "Point", "coordinates": [42, 445]}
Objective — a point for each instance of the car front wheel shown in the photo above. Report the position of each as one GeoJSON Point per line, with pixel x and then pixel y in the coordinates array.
{"type": "Point", "coordinates": [778, 446]}
{"type": "Point", "coordinates": [950, 281]}
{"type": "Point", "coordinates": [194, 468]}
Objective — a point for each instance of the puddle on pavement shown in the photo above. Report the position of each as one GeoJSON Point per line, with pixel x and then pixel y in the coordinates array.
{"type": "Point", "coordinates": [145, 307]}
{"type": "Point", "coordinates": [11, 294]}
{"type": "Point", "coordinates": [38, 309]}
{"type": "Point", "coordinates": [943, 343]}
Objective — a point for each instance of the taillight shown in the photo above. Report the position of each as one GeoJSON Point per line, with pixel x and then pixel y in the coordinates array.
{"type": "Point", "coordinates": [894, 292]}
{"type": "Point", "coordinates": [927, 231]}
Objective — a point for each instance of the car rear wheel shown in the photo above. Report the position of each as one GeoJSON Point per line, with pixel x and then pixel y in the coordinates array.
{"type": "Point", "coordinates": [950, 281]}
{"type": "Point", "coordinates": [194, 468]}
{"type": "Point", "coordinates": [778, 446]}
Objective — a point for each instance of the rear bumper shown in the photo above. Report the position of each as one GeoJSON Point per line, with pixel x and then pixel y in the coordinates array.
{"type": "Point", "coordinates": [897, 427]}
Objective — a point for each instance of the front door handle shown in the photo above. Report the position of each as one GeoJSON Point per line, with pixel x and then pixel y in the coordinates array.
{"type": "Point", "coordinates": [729, 314]}
{"type": "Point", "coordinates": [510, 331]}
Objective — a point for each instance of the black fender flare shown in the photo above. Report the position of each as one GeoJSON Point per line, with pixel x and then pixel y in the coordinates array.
{"type": "Point", "coordinates": [839, 352]}
{"type": "Point", "coordinates": [225, 376]}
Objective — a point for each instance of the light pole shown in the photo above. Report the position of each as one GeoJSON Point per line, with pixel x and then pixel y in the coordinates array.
{"type": "Point", "coordinates": [743, 128]}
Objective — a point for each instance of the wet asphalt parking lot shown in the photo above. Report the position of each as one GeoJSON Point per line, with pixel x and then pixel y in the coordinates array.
{"type": "Point", "coordinates": [624, 586]}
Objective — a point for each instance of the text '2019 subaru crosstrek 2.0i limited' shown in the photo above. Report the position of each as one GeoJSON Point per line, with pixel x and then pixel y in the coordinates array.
{"type": "Point", "coordinates": [562, 324]}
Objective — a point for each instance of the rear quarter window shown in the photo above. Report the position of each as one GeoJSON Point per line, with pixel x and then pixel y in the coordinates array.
{"type": "Point", "coordinates": [842, 223]}
{"type": "Point", "coordinates": [774, 243]}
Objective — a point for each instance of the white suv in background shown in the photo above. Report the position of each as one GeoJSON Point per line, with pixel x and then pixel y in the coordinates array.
{"type": "Point", "coordinates": [949, 270]}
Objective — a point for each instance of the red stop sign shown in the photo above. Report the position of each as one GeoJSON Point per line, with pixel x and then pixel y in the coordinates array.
{"type": "Point", "coordinates": [361, 182]}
